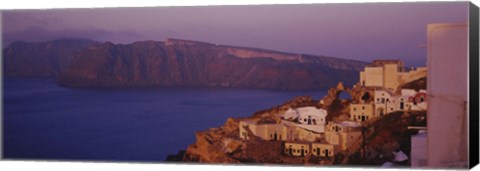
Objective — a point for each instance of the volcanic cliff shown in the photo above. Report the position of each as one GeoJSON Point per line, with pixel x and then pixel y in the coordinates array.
{"type": "Point", "coordinates": [176, 63]}
{"type": "Point", "coordinates": [41, 58]}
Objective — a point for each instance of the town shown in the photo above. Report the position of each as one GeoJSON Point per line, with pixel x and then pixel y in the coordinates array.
{"type": "Point", "coordinates": [306, 131]}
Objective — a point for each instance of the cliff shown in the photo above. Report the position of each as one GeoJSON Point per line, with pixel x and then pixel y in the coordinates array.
{"type": "Point", "coordinates": [41, 58]}
{"type": "Point", "coordinates": [190, 63]}
{"type": "Point", "coordinates": [85, 63]}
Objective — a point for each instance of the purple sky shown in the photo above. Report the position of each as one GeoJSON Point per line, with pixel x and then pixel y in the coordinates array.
{"type": "Point", "coordinates": [354, 31]}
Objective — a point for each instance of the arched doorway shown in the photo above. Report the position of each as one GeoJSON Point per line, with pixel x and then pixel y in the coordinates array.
{"type": "Point", "coordinates": [380, 111]}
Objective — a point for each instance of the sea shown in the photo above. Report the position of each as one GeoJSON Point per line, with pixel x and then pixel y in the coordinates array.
{"type": "Point", "coordinates": [44, 121]}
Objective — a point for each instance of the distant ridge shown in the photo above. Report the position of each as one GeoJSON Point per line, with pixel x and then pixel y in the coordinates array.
{"type": "Point", "coordinates": [49, 58]}
{"type": "Point", "coordinates": [175, 62]}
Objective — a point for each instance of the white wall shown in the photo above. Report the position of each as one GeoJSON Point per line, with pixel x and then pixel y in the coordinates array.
{"type": "Point", "coordinates": [447, 88]}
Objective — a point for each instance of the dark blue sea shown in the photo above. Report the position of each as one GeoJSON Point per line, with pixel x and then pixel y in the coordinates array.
{"type": "Point", "coordinates": [44, 121]}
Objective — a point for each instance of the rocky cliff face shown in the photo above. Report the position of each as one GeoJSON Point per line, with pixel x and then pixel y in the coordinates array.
{"type": "Point", "coordinates": [190, 63]}
{"type": "Point", "coordinates": [175, 62]}
{"type": "Point", "coordinates": [42, 58]}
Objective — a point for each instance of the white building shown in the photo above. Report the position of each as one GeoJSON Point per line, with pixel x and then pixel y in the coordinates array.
{"type": "Point", "coordinates": [413, 100]}
{"type": "Point", "coordinates": [389, 74]}
{"type": "Point", "coordinates": [343, 134]}
{"type": "Point", "coordinates": [275, 132]}
{"type": "Point", "coordinates": [362, 112]}
{"type": "Point", "coordinates": [385, 102]}
{"type": "Point", "coordinates": [310, 118]}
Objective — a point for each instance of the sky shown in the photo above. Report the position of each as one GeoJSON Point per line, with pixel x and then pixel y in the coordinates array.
{"type": "Point", "coordinates": [360, 31]}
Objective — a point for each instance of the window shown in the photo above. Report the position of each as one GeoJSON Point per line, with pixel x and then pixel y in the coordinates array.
{"type": "Point", "coordinates": [304, 119]}
{"type": "Point", "coordinates": [363, 107]}
{"type": "Point", "coordinates": [421, 99]}
{"type": "Point", "coordinates": [354, 109]}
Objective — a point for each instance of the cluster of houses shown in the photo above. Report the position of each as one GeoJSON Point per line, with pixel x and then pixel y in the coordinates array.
{"type": "Point", "coordinates": [385, 76]}
{"type": "Point", "coordinates": [305, 130]}
{"type": "Point", "coordinates": [386, 101]}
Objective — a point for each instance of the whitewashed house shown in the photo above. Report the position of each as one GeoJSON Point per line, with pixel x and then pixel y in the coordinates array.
{"type": "Point", "coordinates": [323, 149]}
{"type": "Point", "coordinates": [385, 102]}
{"type": "Point", "coordinates": [389, 74]}
{"type": "Point", "coordinates": [299, 149]}
{"type": "Point", "coordinates": [297, 133]}
{"type": "Point", "coordinates": [414, 100]}
{"type": "Point", "coordinates": [309, 118]}
{"type": "Point", "coordinates": [362, 112]}
{"type": "Point", "coordinates": [312, 119]}
{"type": "Point", "coordinates": [275, 132]}
{"type": "Point", "coordinates": [343, 134]}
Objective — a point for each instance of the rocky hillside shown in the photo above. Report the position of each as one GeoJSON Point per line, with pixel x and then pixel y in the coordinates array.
{"type": "Point", "coordinates": [222, 145]}
{"type": "Point", "coordinates": [190, 63]}
{"type": "Point", "coordinates": [384, 136]}
{"type": "Point", "coordinates": [41, 58]}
